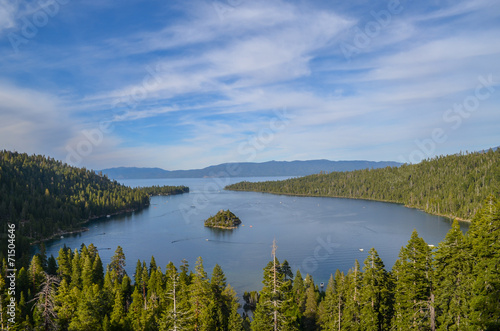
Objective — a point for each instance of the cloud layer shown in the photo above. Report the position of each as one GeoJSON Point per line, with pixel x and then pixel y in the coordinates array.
{"type": "Point", "coordinates": [189, 84]}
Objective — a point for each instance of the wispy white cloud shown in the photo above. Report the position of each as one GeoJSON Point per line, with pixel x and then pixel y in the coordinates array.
{"type": "Point", "coordinates": [8, 10]}
{"type": "Point", "coordinates": [31, 121]}
{"type": "Point", "coordinates": [214, 81]}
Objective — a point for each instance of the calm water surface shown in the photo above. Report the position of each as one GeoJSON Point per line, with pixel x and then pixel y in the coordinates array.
{"type": "Point", "coordinates": [315, 235]}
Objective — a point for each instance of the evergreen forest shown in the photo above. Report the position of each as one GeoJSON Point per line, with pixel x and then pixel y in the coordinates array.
{"type": "Point", "coordinates": [44, 197]}
{"type": "Point", "coordinates": [452, 186]}
{"type": "Point", "coordinates": [455, 286]}
{"type": "Point", "coordinates": [224, 219]}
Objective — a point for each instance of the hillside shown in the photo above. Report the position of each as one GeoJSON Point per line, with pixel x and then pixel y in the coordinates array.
{"type": "Point", "coordinates": [453, 185]}
{"type": "Point", "coordinates": [44, 197]}
{"type": "Point", "coordinates": [248, 169]}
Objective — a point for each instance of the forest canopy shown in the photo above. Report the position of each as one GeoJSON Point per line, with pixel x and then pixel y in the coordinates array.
{"type": "Point", "coordinates": [455, 286]}
{"type": "Point", "coordinates": [452, 186]}
{"type": "Point", "coordinates": [44, 197]}
{"type": "Point", "coordinates": [223, 219]}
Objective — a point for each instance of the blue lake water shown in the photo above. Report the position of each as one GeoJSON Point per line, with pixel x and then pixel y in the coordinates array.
{"type": "Point", "coordinates": [315, 235]}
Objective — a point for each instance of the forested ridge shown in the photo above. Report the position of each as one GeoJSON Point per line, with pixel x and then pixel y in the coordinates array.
{"type": "Point", "coordinates": [455, 286]}
{"type": "Point", "coordinates": [453, 185]}
{"type": "Point", "coordinates": [44, 197]}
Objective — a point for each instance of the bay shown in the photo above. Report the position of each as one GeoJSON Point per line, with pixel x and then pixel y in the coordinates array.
{"type": "Point", "coordinates": [315, 235]}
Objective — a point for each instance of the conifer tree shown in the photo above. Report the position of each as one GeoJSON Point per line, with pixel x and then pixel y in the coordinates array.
{"type": "Point", "coordinates": [175, 315]}
{"type": "Point", "coordinates": [118, 315]}
{"type": "Point", "coordinates": [118, 263]}
{"type": "Point", "coordinates": [76, 271]}
{"type": "Point", "coordinates": [134, 314]}
{"type": "Point", "coordinates": [352, 307]}
{"type": "Point", "coordinates": [331, 308]}
{"type": "Point", "coordinates": [375, 295]}
{"type": "Point", "coordinates": [413, 294]}
{"type": "Point", "coordinates": [87, 315]}
{"type": "Point", "coordinates": [484, 236]}
{"type": "Point", "coordinates": [66, 303]}
{"type": "Point", "coordinates": [274, 299]}
{"type": "Point", "coordinates": [309, 322]}
{"type": "Point", "coordinates": [299, 291]}
{"type": "Point", "coordinates": [64, 264]}
{"type": "Point", "coordinates": [453, 266]}
{"type": "Point", "coordinates": [218, 305]}
{"type": "Point", "coordinates": [199, 297]}
{"type": "Point", "coordinates": [235, 321]}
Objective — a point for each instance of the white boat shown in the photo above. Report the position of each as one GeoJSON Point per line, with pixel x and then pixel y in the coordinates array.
{"type": "Point", "coordinates": [361, 249]}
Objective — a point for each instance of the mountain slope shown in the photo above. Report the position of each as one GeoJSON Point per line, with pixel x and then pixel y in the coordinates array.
{"type": "Point", "coordinates": [249, 169]}
{"type": "Point", "coordinates": [453, 185]}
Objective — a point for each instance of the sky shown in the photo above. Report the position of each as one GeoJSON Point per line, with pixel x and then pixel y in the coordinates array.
{"type": "Point", "coordinates": [188, 84]}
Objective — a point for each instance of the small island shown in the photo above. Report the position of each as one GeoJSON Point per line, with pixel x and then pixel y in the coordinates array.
{"type": "Point", "coordinates": [224, 219]}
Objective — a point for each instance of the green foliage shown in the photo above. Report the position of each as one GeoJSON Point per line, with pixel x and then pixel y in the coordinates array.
{"type": "Point", "coordinates": [223, 219]}
{"type": "Point", "coordinates": [453, 185]}
{"type": "Point", "coordinates": [453, 264]}
{"type": "Point", "coordinates": [456, 287]}
{"type": "Point", "coordinates": [44, 198]}
{"type": "Point", "coordinates": [413, 274]}
{"type": "Point", "coordinates": [164, 190]}
{"type": "Point", "coordinates": [484, 235]}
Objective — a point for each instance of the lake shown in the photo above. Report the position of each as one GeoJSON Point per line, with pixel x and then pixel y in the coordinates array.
{"type": "Point", "coordinates": [316, 235]}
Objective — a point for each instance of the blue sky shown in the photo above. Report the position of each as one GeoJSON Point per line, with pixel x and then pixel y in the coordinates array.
{"type": "Point", "coordinates": [188, 84]}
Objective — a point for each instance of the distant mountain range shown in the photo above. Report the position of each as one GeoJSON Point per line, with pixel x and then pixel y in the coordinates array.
{"type": "Point", "coordinates": [249, 169]}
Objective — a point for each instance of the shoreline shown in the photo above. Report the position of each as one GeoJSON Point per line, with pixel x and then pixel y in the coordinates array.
{"type": "Point", "coordinates": [451, 217]}
{"type": "Point", "coordinates": [93, 218]}
{"type": "Point", "coordinates": [81, 228]}
{"type": "Point", "coordinates": [222, 227]}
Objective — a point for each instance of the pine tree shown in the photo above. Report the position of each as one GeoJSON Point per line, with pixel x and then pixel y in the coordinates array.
{"type": "Point", "coordinates": [66, 303]}
{"type": "Point", "coordinates": [52, 265]}
{"type": "Point", "coordinates": [311, 307]}
{"type": "Point", "coordinates": [331, 308]}
{"type": "Point", "coordinates": [352, 307]}
{"type": "Point", "coordinates": [375, 295]}
{"type": "Point", "coordinates": [135, 311]}
{"type": "Point", "coordinates": [175, 315]}
{"type": "Point", "coordinates": [64, 264]}
{"type": "Point", "coordinates": [87, 316]}
{"type": "Point", "coordinates": [413, 294]}
{"type": "Point", "coordinates": [118, 263]}
{"type": "Point", "coordinates": [117, 321]}
{"type": "Point", "coordinates": [218, 305]}
{"type": "Point", "coordinates": [199, 297]}
{"type": "Point", "coordinates": [274, 299]}
{"type": "Point", "coordinates": [484, 236]}
{"type": "Point", "coordinates": [235, 321]}
{"type": "Point", "coordinates": [453, 266]}
{"type": "Point", "coordinates": [152, 265]}
{"type": "Point", "coordinates": [299, 291]}
{"type": "Point", "coordinates": [36, 274]}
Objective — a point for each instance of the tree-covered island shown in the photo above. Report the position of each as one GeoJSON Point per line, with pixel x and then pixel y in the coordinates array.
{"type": "Point", "coordinates": [224, 219]}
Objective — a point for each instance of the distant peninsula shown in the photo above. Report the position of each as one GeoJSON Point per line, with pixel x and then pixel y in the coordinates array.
{"type": "Point", "coordinates": [224, 219]}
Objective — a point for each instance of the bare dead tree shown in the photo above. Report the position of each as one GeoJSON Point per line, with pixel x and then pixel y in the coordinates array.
{"type": "Point", "coordinates": [45, 300]}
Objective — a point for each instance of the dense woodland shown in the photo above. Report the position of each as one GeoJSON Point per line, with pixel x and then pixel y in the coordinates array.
{"type": "Point", "coordinates": [455, 286]}
{"type": "Point", "coordinates": [164, 190]}
{"type": "Point", "coordinates": [44, 197]}
{"type": "Point", "coordinates": [223, 219]}
{"type": "Point", "coordinates": [453, 185]}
